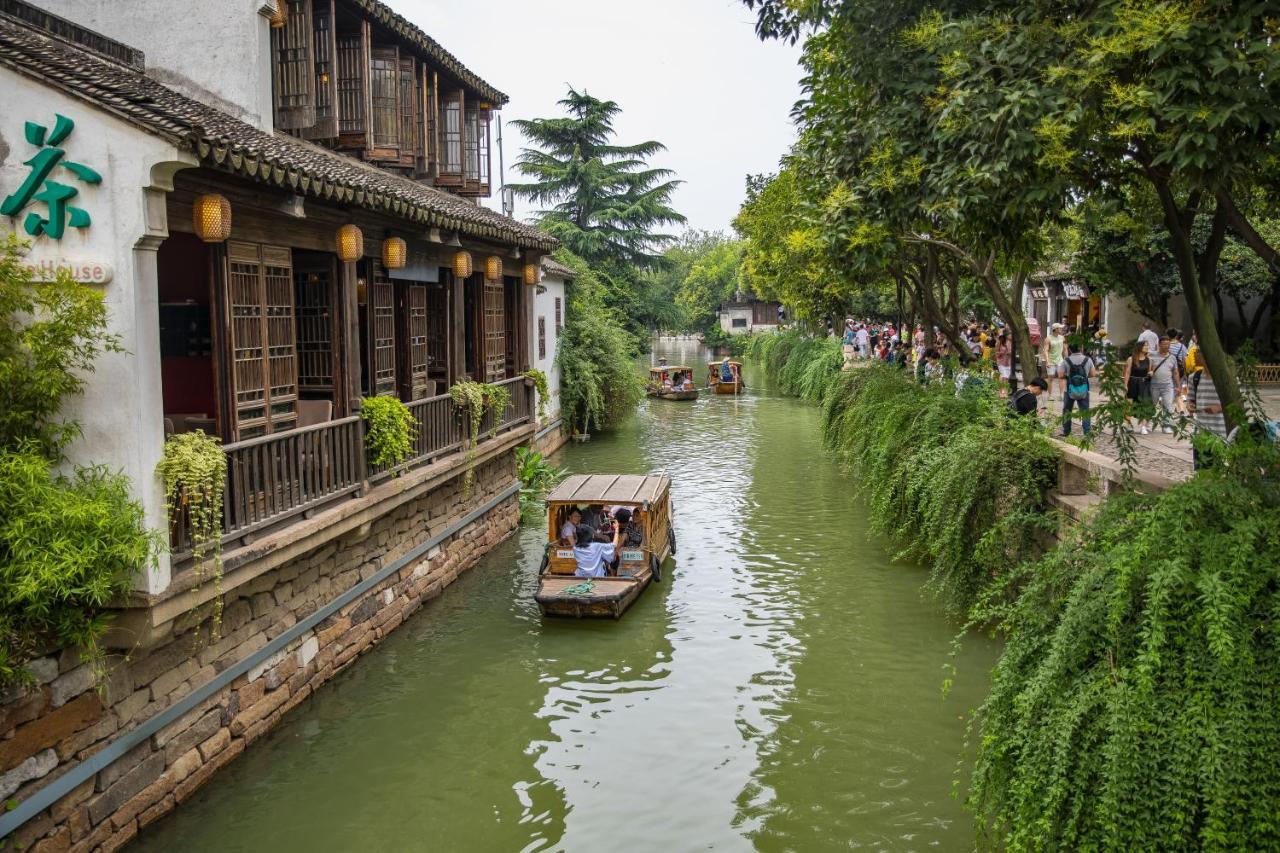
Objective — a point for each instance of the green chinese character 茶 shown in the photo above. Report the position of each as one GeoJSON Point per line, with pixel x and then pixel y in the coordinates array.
{"type": "Point", "coordinates": [40, 187]}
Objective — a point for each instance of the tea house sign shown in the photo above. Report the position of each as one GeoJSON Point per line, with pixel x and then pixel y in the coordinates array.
{"type": "Point", "coordinates": [40, 187]}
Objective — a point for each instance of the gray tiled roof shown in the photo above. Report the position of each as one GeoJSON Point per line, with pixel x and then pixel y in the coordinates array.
{"type": "Point", "coordinates": [406, 29]}
{"type": "Point", "coordinates": [229, 144]}
{"type": "Point", "coordinates": [554, 267]}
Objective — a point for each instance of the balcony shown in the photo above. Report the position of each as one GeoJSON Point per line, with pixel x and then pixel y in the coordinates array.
{"type": "Point", "coordinates": [274, 481]}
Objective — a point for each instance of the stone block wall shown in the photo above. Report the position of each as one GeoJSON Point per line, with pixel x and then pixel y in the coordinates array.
{"type": "Point", "coordinates": [68, 717]}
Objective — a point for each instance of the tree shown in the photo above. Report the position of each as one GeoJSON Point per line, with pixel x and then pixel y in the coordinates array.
{"type": "Point", "coordinates": [604, 202]}
{"type": "Point", "coordinates": [714, 277]}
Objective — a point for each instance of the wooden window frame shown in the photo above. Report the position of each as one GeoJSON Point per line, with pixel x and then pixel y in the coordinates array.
{"type": "Point", "coordinates": [293, 67]}
{"type": "Point", "coordinates": [542, 338]}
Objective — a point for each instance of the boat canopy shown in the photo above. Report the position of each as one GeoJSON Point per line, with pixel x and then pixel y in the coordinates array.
{"type": "Point", "coordinates": [722, 361]}
{"type": "Point", "coordinates": [636, 489]}
{"type": "Point", "coordinates": [667, 368]}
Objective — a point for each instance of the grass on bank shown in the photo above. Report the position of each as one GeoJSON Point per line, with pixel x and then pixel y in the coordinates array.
{"type": "Point", "coordinates": [1133, 705]}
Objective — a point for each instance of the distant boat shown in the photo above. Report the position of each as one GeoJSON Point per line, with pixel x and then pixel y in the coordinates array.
{"type": "Point", "coordinates": [721, 385]}
{"type": "Point", "coordinates": [663, 382]}
{"type": "Point", "coordinates": [563, 593]}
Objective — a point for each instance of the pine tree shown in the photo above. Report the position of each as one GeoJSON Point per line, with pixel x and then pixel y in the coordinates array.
{"type": "Point", "coordinates": [604, 202]}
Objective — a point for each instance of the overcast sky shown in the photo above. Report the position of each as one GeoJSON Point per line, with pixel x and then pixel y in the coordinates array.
{"type": "Point", "coordinates": [689, 73]}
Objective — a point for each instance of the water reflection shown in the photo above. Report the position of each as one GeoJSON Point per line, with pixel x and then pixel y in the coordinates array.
{"type": "Point", "coordinates": [779, 690]}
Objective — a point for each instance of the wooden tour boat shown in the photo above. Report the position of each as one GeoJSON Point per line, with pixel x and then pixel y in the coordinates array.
{"type": "Point", "coordinates": [665, 381]}
{"type": "Point", "coordinates": [716, 380]}
{"type": "Point", "coordinates": [560, 591]}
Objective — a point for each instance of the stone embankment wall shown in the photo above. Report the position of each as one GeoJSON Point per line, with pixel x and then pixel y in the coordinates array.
{"type": "Point", "coordinates": [46, 731]}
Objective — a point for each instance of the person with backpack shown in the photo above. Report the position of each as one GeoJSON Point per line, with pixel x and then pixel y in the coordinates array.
{"type": "Point", "coordinates": [1026, 401]}
{"type": "Point", "coordinates": [1078, 369]}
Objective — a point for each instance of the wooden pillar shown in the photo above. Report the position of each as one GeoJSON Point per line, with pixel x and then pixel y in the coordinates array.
{"type": "Point", "coordinates": [457, 328]}
{"type": "Point", "coordinates": [220, 331]}
{"type": "Point", "coordinates": [524, 299]}
{"type": "Point", "coordinates": [348, 342]}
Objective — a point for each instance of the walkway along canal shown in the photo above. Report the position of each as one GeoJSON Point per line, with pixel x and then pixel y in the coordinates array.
{"type": "Point", "coordinates": [781, 689]}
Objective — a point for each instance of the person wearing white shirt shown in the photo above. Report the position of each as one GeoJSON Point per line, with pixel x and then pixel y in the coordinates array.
{"type": "Point", "coordinates": [593, 557]}
{"type": "Point", "coordinates": [1149, 335]}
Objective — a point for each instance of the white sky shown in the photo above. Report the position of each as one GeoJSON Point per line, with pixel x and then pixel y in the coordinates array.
{"type": "Point", "coordinates": [689, 73]}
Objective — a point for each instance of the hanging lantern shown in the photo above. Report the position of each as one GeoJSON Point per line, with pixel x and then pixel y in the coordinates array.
{"type": "Point", "coordinates": [211, 216]}
{"type": "Point", "coordinates": [280, 15]}
{"type": "Point", "coordinates": [532, 274]}
{"type": "Point", "coordinates": [462, 264]}
{"type": "Point", "coordinates": [493, 268]}
{"type": "Point", "coordinates": [350, 243]}
{"type": "Point", "coordinates": [394, 253]}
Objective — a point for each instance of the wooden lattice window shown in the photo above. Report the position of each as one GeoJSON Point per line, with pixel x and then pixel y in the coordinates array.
{"type": "Point", "coordinates": [471, 146]}
{"type": "Point", "coordinates": [410, 124]}
{"type": "Point", "coordinates": [313, 290]}
{"type": "Point", "coordinates": [451, 133]}
{"type": "Point", "coordinates": [384, 90]}
{"type": "Point", "coordinates": [295, 72]}
{"type": "Point", "coordinates": [542, 338]}
{"type": "Point", "coordinates": [351, 73]}
{"type": "Point", "coordinates": [326, 124]}
{"type": "Point", "coordinates": [264, 381]}
{"type": "Point", "coordinates": [559, 324]}
{"type": "Point", "coordinates": [382, 334]}
{"type": "Point", "coordinates": [495, 331]}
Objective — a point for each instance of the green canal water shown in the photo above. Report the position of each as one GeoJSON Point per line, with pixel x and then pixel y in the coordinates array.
{"type": "Point", "coordinates": [781, 689]}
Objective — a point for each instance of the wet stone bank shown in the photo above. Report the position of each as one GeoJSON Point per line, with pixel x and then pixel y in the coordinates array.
{"type": "Point", "coordinates": [46, 731]}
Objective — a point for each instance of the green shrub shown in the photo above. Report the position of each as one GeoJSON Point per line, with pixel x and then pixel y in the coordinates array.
{"type": "Point", "coordinates": [1134, 706]}
{"type": "Point", "coordinates": [69, 546]}
{"type": "Point", "coordinates": [390, 430]}
{"type": "Point", "coordinates": [599, 384]}
{"type": "Point", "coordinates": [537, 477]}
{"type": "Point", "coordinates": [72, 539]}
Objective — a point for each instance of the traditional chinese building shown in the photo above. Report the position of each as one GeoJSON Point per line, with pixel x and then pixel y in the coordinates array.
{"type": "Point", "coordinates": [745, 314]}
{"type": "Point", "coordinates": [280, 207]}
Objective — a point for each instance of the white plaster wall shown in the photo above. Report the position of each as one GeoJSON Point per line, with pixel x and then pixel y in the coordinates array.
{"type": "Point", "coordinates": [121, 411]}
{"type": "Point", "coordinates": [215, 51]}
{"type": "Point", "coordinates": [544, 305]}
{"type": "Point", "coordinates": [728, 315]}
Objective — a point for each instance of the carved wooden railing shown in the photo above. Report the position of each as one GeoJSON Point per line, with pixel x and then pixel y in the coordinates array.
{"type": "Point", "coordinates": [273, 478]}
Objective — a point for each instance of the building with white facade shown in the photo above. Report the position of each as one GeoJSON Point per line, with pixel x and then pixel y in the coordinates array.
{"type": "Point", "coordinates": [277, 200]}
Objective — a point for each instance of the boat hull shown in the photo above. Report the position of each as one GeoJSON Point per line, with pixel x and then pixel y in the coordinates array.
{"type": "Point", "coordinates": [676, 395]}
{"type": "Point", "coordinates": [728, 387]}
{"type": "Point", "coordinates": [608, 598]}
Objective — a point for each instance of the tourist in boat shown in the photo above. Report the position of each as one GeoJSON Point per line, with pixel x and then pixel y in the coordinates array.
{"type": "Point", "coordinates": [569, 530]}
{"type": "Point", "coordinates": [726, 371]}
{"type": "Point", "coordinates": [593, 556]}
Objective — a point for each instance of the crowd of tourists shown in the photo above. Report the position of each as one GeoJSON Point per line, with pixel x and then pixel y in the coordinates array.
{"type": "Point", "coordinates": [1164, 377]}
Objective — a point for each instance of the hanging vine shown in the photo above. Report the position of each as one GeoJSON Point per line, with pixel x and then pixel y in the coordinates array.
{"type": "Point", "coordinates": [539, 380]}
{"type": "Point", "coordinates": [474, 400]}
{"type": "Point", "coordinates": [194, 471]}
{"type": "Point", "coordinates": [391, 430]}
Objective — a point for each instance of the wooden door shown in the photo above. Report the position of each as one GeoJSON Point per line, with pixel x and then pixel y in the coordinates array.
{"type": "Point", "coordinates": [315, 292]}
{"type": "Point", "coordinates": [413, 330]}
{"type": "Point", "coordinates": [264, 380]}
{"type": "Point", "coordinates": [495, 328]}
{"type": "Point", "coordinates": [381, 308]}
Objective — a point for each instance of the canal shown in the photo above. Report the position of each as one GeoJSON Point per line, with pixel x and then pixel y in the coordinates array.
{"type": "Point", "coordinates": [781, 689]}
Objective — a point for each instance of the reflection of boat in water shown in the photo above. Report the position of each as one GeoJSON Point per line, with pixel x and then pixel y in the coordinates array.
{"type": "Point", "coordinates": [665, 383]}
{"type": "Point", "coordinates": [722, 383]}
{"type": "Point", "coordinates": [560, 591]}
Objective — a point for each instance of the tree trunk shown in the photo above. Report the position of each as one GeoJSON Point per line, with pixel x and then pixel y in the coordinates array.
{"type": "Point", "coordinates": [1198, 282]}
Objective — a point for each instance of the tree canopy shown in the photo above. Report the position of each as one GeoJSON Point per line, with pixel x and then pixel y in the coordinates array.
{"type": "Point", "coordinates": [601, 199]}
